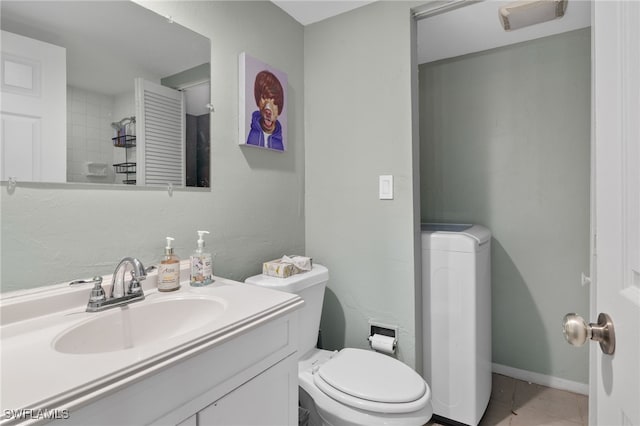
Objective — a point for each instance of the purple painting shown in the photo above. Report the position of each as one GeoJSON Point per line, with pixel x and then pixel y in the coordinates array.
{"type": "Point", "coordinates": [263, 105]}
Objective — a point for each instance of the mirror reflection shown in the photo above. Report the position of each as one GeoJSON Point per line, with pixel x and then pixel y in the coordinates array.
{"type": "Point", "coordinates": [102, 92]}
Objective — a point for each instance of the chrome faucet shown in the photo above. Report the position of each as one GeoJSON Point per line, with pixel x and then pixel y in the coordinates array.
{"type": "Point", "coordinates": [137, 274]}
{"type": "Point", "coordinates": [98, 301]}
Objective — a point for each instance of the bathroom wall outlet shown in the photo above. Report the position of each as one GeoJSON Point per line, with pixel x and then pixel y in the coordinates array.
{"type": "Point", "coordinates": [386, 187]}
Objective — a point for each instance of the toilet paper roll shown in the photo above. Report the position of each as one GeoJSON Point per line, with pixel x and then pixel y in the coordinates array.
{"type": "Point", "coordinates": [384, 344]}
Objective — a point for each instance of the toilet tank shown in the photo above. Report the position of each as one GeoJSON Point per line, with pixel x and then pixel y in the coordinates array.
{"type": "Point", "coordinates": [310, 287]}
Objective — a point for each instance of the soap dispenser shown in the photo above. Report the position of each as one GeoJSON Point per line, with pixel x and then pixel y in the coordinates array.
{"type": "Point", "coordinates": [201, 265]}
{"type": "Point", "coordinates": [169, 269]}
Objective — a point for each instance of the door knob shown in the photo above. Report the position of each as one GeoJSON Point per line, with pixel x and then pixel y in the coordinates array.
{"type": "Point", "coordinates": [577, 331]}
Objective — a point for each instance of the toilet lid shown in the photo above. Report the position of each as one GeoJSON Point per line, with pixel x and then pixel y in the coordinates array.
{"type": "Point", "coordinates": [370, 380]}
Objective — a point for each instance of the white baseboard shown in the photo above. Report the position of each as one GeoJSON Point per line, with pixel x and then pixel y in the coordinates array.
{"type": "Point", "coordinates": [542, 379]}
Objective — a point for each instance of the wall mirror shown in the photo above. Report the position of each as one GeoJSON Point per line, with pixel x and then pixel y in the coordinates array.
{"type": "Point", "coordinates": [102, 92]}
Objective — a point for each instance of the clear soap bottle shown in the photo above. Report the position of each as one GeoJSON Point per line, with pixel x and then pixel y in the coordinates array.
{"type": "Point", "coordinates": [169, 269]}
{"type": "Point", "coordinates": [201, 264]}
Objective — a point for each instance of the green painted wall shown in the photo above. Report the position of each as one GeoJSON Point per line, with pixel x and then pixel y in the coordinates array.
{"type": "Point", "coordinates": [254, 210]}
{"type": "Point", "coordinates": [358, 125]}
{"type": "Point", "coordinates": [505, 142]}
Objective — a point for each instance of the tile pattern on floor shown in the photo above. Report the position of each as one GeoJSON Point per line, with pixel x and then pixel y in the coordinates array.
{"type": "Point", "coordinates": [517, 403]}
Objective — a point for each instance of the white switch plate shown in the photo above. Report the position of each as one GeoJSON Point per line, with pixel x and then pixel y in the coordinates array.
{"type": "Point", "coordinates": [386, 187]}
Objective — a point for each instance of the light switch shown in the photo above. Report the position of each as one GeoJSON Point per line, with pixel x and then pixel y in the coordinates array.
{"type": "Point", "coordinates": [386, 187]}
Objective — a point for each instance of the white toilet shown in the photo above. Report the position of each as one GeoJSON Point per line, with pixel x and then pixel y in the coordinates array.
{"type": "Point", "coordinates": [352, 386]}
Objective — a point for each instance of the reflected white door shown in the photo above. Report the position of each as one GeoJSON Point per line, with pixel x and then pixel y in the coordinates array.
{"type": "Point", "coordinates": [615, 379]}
{"type": "Point", "coordinates": [160, 118]}
{"type": "Point", "coordinates": [33, 116]}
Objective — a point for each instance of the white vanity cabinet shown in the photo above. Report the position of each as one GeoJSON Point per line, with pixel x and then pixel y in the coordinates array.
{"type": "Point", "coordinates": [264, 400]}
{"type": "Point", "coordinates": [246, 379]}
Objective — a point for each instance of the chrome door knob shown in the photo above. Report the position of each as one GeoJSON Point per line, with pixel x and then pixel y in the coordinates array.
{"type": "Point", "coordinates": [577, 331]}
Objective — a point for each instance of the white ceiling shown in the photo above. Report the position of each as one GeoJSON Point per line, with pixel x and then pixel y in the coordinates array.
{"type": "Point", "coordinates": [309, 11]}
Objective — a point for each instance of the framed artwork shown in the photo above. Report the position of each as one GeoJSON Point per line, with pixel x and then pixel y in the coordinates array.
{"type": "Point", "coordinates": [263, 105]}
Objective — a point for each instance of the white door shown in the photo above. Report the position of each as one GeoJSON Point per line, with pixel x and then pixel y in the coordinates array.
{"type": "Point", "coordinates": [615, 379]}
{"type": "Point", "coordinates": [33, 116]}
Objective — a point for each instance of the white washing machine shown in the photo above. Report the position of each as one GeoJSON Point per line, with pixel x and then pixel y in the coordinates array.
{"type": "Point", "coordinates": [456, 286]}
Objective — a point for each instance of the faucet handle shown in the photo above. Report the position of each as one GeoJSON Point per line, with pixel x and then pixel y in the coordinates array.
{"type": "Point", "coordinates": [92, 280]}
{"type": "Point", "coordinates": [134, 285]}
{"type": "Point", "coordinates": [97, 292]}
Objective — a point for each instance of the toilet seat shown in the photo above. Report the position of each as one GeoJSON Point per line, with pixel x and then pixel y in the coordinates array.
{"type": "Point", "coordinates": [371, 381]}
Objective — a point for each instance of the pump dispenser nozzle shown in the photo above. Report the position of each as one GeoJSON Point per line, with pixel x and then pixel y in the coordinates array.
{"type": "Point", "coordinates": [200, 239]}
{"type": "Point", "coordinates": [168, 249]}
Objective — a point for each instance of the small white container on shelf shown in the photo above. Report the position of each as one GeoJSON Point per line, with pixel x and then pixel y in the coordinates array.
{"type": "Point", "coordinates": [95, 169]}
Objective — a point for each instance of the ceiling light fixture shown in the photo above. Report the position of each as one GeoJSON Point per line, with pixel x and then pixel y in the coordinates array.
{"type": "Point", "coordinates": [529, 12]}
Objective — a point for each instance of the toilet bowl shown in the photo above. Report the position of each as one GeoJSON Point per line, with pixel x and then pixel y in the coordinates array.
{"type": "Point", "coordinates": [353, 386]}
{"type": "Point", "coordinates": [356, 395]}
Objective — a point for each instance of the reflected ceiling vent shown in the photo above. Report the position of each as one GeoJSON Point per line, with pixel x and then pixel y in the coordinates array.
{"type": "Point", "coordinates": [529, 12]}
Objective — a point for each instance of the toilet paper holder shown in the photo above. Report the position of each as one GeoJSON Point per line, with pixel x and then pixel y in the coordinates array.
{"type": "Point", "coordinates": [382, 337]}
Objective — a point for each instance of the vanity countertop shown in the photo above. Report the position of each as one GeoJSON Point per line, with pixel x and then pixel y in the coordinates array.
{"type": "Point", "coordinates": [37, 376]}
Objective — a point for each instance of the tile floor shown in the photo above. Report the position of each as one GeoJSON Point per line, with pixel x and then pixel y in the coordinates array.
{"type": "Point", "coordinates": [517, 403]}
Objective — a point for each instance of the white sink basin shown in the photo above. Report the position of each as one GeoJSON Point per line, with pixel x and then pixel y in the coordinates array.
{"type": "Point", "coordinates": [138, 324]}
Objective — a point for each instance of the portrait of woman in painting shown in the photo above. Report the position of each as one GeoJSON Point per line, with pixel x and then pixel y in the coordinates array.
{"type": "Point", "coordinates": [265, 130]}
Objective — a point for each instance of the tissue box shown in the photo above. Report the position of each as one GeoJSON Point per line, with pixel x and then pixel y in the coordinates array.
{"type": "Point", "coordinates": [279, 268]}
{"type": "Point", "coordinates": [287, 266]}
{"type": "Point", "coordinates": [302, 263]}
